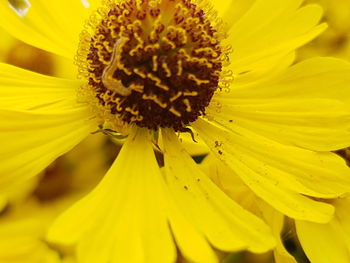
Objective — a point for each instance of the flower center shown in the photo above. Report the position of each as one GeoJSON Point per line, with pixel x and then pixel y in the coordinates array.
{"type": "Point", "coordinates": [154, 63]}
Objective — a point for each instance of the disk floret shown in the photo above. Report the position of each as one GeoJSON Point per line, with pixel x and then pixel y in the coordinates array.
{"type": "Point", "coordinates": [154, 63]}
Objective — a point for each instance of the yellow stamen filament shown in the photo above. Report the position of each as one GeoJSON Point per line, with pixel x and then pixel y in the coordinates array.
{"type": "Point", "coordinates": [179, 67]}
{"type": "Point", "coordinates": [132, 111]}
{"type": "Point", "coordinates": [140, 73]}
{"type": "Point", "coordinates": [191, 93]}
{"type": "Point", "coordinates": [139, 46]}
{"type": "Point", "coordinates": [166, 69]}
{"type": "Point", "coordinates": [155, 99]}
{"type": "Point", "coordinates": [197, 80]}
{"type": "Point", "coordinates": [175, 112]}
{"type": "Point", "coordinates": [154, 63]}
{"type": "Point", "coordinates": [137, 88]}
{"type": "Point", "coordinates": [178, 95]}
{"type": "Point", "coordinates": [170, 43]}
{"type": "Point", "coordinates": [188, 105]}
{"type": "Point", "coordinates": [158, 82]}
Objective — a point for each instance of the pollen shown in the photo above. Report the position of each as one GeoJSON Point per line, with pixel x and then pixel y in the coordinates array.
{"type": "Point", "coordinates": [153, 63]}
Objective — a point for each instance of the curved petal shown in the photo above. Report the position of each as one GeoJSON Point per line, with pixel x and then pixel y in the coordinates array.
{"type": "Point", "coordinates": [226, 225]}
{"type": "Point", "coordinates": [234, 10]}
{"type": "Point", "coordinates": [342, 206]}
{"type": "Point", "coordinates": [17, 193]}
{"type": "Point", "coordinates": [233, 186]}
{"type": "Point", "coordinates": [50, 25]}
{"type": "Point", "coordinates": [278, 173]}
{"type": "Point", "coordinates": [32, 140]}
{"type": "Point", "coordinates": [276, 220]}
{"type": "Point", "coordinates": [124, 218]}
{"type": "Point", "coordinates": [228, 181]}
{"type": "Point", "coordinates": [269, 31]}
{"type": "Point", "coordinates": [315, 124]}
{"type": "Point", "coordinates": [329, 238]}
{"type": "Point", "coordinates": [40, 120]}
{"type": "Point", "coordinates": [319, 77]}
{"type": "Point", "coordinates": [193, 244]}
{"type": "Point", "coordinates": [307, 105]}
{"type": "Point", "coordinates": [25, 90]}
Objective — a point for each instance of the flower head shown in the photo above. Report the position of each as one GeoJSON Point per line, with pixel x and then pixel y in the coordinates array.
{"type": "Point", "coordinates": [154, 68]}
{"type": "Point", "coordinates": [153, 64]}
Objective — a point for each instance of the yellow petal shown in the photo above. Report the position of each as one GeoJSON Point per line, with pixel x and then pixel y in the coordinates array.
{"type": "Point", "coordinates": [342, 206]}
{"type": "Point", "coordinates": [230, 183]}
{"type": "Point", "coordinates": [124, 218]}
{"type": "Point", "coordinates": [323, 243]}
{"type": "Point", "coordinates": [28, 249]}
{"type": "Point", "coordinates": [227, 180]}
{"type": "Point", "coordinates": [326, 78]}
{"type": "Point", "coordinates": [25, 90]}
{"type": "Point", "coordinates": [222, 6]}
{"type": "Point", "coordinates": [17, 192]}
{"type": "Point", "coordinates": [32, 140]}
{"type": "Point", "coordinates": [235, 9]}
{"type": "Point", "coordinates": [307, 105]}
{"type": "Point", "coordinates": [226, 225]}
{"type": "Point", "coordinates": [41, 120]}
{"type": "Point", "coordinates": [50, 25]}
{"type": "Point", "coordinates": [191, 242]}
{"type": "Point", "coordinates": [333, 239]}
{"type": "Point", "coordinates": [315, 124]}
{"type": "Point", "coordinates": [276, 28]}
{"type": "Point", "coordinates": [278, 173]}
{"type": "Point", "coordinates": [276, 220]}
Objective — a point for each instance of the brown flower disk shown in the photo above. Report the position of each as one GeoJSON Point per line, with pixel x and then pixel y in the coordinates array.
{"type": "Point", "coordinates": [155, 63]}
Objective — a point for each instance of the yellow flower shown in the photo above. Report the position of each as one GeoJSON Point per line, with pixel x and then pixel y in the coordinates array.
{"type": "Point", "coordinates": [153, 68]}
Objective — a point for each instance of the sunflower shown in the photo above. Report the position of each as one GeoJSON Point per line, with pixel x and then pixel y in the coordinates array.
{"type": "Point", "coordinates": [153, 69]}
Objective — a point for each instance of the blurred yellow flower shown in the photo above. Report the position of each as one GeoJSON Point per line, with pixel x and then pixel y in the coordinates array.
{"type": "Point", "coordinates": [22, 232]}
{"type": "Point", "coordinates": [153, 68]}
{"type": "Point", "coordinates": [336, 39]}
